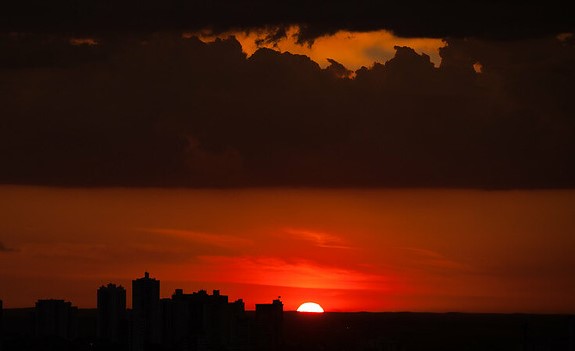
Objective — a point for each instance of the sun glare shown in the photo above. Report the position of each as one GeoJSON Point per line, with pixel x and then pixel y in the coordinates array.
{"type": "Point", "coordinates": [310, 307]}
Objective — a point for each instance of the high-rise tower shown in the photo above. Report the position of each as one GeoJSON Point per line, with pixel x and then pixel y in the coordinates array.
{"type": "Point", "coordinates": [112, 313]}
{"type": "Point", "coordinates": [269, 326]}
{"type": "Point", "coordinates": [145, 313]}
{"type": "Point", "coordinates": [55, 318]}
{"type": "Point", "coordinates": [1, 324]}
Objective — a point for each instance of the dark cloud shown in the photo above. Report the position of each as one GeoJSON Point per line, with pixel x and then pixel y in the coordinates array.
{"type": "Point", "coordinates": [338, 70]}
{"type": "Point", "coordinates": [443, 18]}
{"type": "Point", "coordinates": [168, 111]}
{"type": "Point", "coordinates": [4, 249]}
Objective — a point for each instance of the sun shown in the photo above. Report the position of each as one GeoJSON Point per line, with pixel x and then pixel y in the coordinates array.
{"type": "Point", "coordinates": [310, 307]}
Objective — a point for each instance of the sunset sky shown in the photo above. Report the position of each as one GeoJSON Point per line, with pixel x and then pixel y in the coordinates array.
{"type": "Point", "coordinates": [349, 250]}
{"type": "Point", "coordinates": [367, 156]}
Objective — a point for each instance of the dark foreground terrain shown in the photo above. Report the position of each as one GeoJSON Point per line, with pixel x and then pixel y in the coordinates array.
{"type": "Point", "coordinates": [355, 331]}
{"type": "Point", "coordinates": [428, 331]}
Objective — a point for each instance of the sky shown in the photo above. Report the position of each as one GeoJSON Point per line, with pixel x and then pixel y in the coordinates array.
{"type": "Point", "coordinates": [367, 155]}
{"type": "Point", "coordinates": [347, 249]}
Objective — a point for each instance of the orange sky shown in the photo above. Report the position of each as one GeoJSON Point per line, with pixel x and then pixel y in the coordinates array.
{"type": "Point", "coordinates": [352, 49]}
{"type": "Point", "coordinates": [376, 250]}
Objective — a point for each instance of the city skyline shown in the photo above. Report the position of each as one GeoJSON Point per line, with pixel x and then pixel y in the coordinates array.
{"type": "Point", "coordinates": [185, 321]}
{"type": "Point", "coordinates": [113, 297]}
{"type": "Point", "coordinates": [346, 250]}
{"type": "Point", "coordinates": [368, 155]}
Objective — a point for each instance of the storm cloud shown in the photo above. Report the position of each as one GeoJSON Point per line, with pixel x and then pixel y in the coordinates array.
{"type": "Point", "coordinates": [5, 249]}
{"type": "Point", "coordinates": [482, 19]}
{"type": "Point", "coordinates": [163, 110]}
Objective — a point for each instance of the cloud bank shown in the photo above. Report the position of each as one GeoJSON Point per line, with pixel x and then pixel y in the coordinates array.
{"type": "Point", "coordinates": [5, 249]}
{"type": "Point", "coordinates": [484, 19]}
{"type": "Point", "coordinates": [162, 110]}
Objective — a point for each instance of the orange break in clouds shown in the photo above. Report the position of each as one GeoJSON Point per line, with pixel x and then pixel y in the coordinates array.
{"type": "Point", "coordinates": [478, 67]}
{"type": "Point", "coordinates": [83, 41]}
{"type": "Point", "coordinates": [352, 49]}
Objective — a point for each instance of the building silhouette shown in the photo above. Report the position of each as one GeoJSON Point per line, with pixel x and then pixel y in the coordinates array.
{"type": "Point", "coordinates": [208, 321]}
{"type": "Point", "coordinates": [145, 326]}
{"type": "Point", "coordinates": [239, 326]}
{"type": "Point", "coordinates": [112, 323]}
{"type": "Point", "coordinates": [1, 326]}
{"type": "Point", "coordinates": [199, 321]}
{"type": "Point", "coordinates": [55, 318]}
{"type": "Point", "coordinates": [571, 327]}
{"type": "Point", "coordinates": [269, 324]}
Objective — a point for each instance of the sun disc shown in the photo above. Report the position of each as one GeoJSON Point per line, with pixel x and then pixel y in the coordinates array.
{"type": "Point", "coordinates": [310, 307]}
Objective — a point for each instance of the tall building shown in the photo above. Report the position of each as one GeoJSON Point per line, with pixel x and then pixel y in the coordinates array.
{"type": "Point", "coordinates": [167, 320]}
{"type": "Point", "coordinates": [145, 313]}
{"type": "Point", "coordinates": [239, 326]}
{"type": "Point", "coordinates": [112, 324]}
{"type": "Point", "coordinates": [1, 326]}
{"type": "Point", "coordinates": [269, 326]}
{"type": "Point", "coordinates": [55, 318]}
{"type": "Point", "coordinates": [200, 321]}
{"type": "Point", "coordinates": [572, 333]}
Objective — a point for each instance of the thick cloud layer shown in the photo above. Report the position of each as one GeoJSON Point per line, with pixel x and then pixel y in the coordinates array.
{"type": "Point", "coordinates": [4, 249]}
{"type": "Point", "coordinates": [443, 18]}
{"type": "Point", "coordinates": [167, 111]}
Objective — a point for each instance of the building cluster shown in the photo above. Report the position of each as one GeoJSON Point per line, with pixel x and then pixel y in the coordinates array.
{"type": "Point", "coordinates": [195, 321]}
{"type": "Point", "coordinates": [1, 324]}
{"type": "Point", "coordinates": [55, 318]}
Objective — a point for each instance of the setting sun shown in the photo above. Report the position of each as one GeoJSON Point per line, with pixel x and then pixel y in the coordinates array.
{"type": "Point", "coordinates": [310, 307]}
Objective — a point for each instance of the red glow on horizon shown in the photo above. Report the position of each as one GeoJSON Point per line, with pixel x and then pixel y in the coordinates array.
{"type": "Point", "coordinates": [352, 250]}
